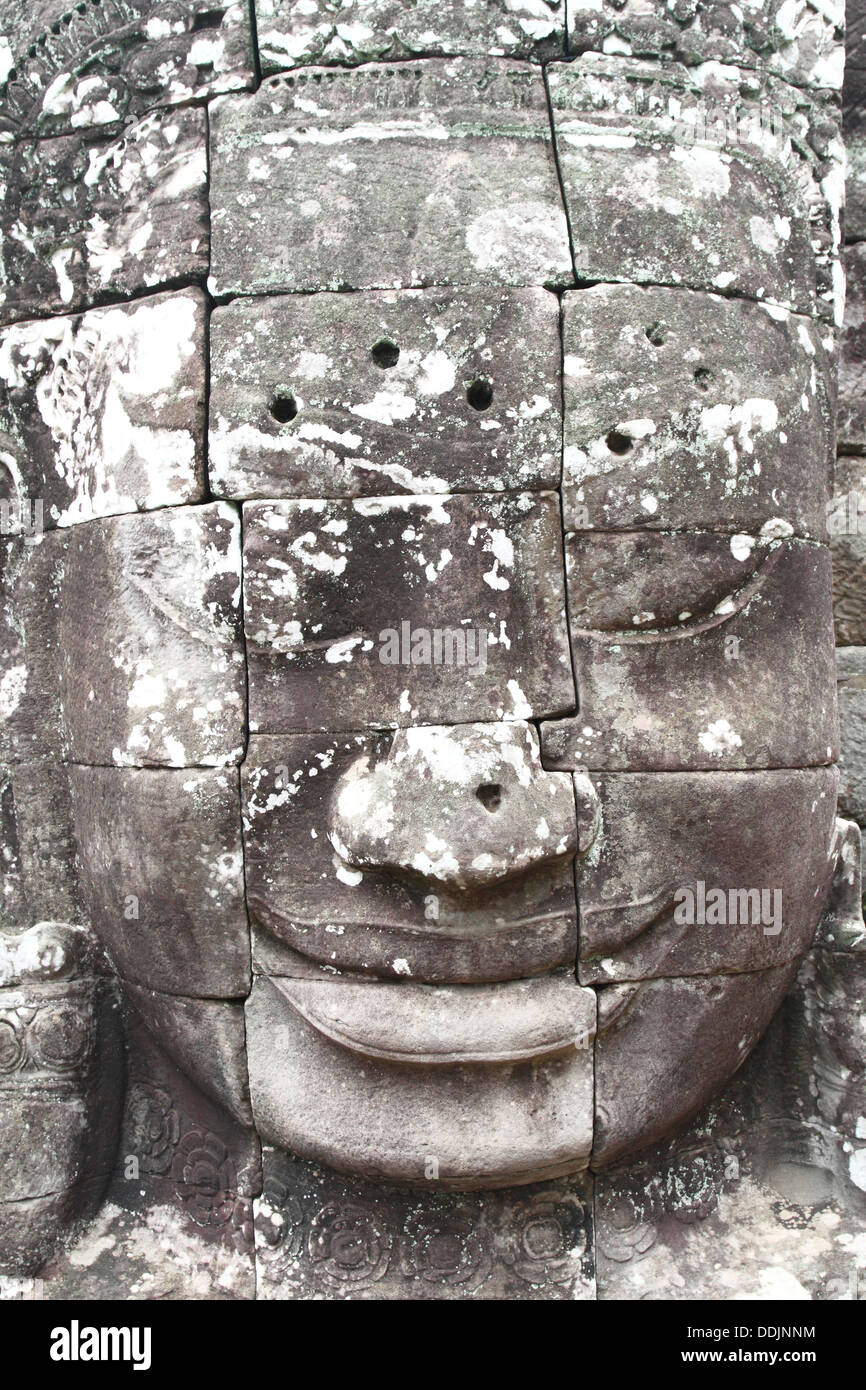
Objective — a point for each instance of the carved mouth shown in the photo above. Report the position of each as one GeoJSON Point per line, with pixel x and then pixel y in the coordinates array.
{"type": "Point", "coordinates": [427, 1025]}
{"type": "Point", "coordinates": [479, 949]}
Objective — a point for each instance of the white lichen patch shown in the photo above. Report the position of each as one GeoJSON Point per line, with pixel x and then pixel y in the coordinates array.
{"type": "Point", "coordinates": [719, 739]}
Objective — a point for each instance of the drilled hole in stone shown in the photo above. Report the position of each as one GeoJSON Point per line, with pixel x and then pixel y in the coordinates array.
{"type": "Point", "coordinates": [490, 795]}
{"type": "Point", "coordinates": [284, 407]}
{"type": "Point", "coordinates": [703, 377]}
{"type": "Point", "coordinates": [656, 334]}
{"type": "Point", "coordinates": [479, 393]}
{"type": "Point", "coordinates": [385, 353]}
{"type": "Point", "coordinates": [618, 443]}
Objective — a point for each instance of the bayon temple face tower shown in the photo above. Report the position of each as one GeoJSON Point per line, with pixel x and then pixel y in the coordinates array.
{"type": "Point", "coordinates": [418, 691]}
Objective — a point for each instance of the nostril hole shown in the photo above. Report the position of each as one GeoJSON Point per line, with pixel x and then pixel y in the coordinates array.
{"type": "Point", "coordinates": [479, 393]}
{"type": "Point", "coordinates": [284, 407]}
{"type": "Point", "coordinates": [385, 353]}
{"type": "Point", "coordinates": [490, 795]}
{"type": "Point", "coordinates": [656, 334]}
{"type": "Point", "coordinates": [703, 377]}
{"type": "Point", "coordinates": [618, 443]}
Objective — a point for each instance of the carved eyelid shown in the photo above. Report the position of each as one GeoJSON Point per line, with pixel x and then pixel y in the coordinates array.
{"type": "Point", "coordinates": [738, 598]}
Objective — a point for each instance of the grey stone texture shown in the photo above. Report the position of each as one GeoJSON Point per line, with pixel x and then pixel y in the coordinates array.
{"type": "Point", "coordinates": [482, 1122]}
{"type": "Point", "coordinates": [851, 422]}
{"type": "Point", "coordinates": [848, 511]}
{"type": "Point", "coordinates": [204, 1038]}
{"type": "Point", "coordinates": [61, 1073]}
{"type": "Point", "coordinates": [853, 110]}
{"type": "Point", "coordinates": [847, 525]}
{"type": "Point", "coordinates": [389, 392]}
{"type": "Point", "coordinates": [162, 863]}
{"type": "Point", "coordinates": [336, 593]}
{"type": "Point", "coordinates": [327, 887]}
{"type": "Point", "coordinates": [104, 412]}
{"type": "Point", "coordinates": [650, 1034]}
{"type": "Point", "coordinates": [690, 411]}
{"type": "Point", "coordinates": [799, 42]}
{"type": "Point", "coordinates": [293, 32]}
{"type": "Point", "coordinates": [87, 220]}
{"type": "Point", "coordinates": [319, 1235]}
{"type": "Point", "coordinates": [650, 903]}
{"type": "Point", "coordinates": [477, 200]}
{"type": "Point", "coordinates": [851, 666]}
{"type": "Point", "coordinates": [40, 870]}
{"type": "Point", "coordinates": [145, 629]}
{"type": "Point", "coordinates": [102, 61]}
{"type": "Point", "coordinates": [684, 686]}
{"type": "Point", "coordinates": [705, 191]}
{"type": "Point", "coordinates": [434, 445]}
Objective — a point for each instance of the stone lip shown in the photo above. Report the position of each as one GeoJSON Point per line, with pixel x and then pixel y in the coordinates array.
{"type": "Point", "coordinates": [422, 1025]}
{"type": "Point", "coordinates": [473, 1125]}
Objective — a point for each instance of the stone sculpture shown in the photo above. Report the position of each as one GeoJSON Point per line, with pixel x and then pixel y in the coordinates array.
{"type": "Point", "coordinates": [431, 411]}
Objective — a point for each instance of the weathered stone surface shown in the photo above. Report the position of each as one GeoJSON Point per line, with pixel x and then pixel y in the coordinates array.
{"type": "Point", "coordinates": [185, 1160]}
{"type": "Point", "coordinates": [666, 1046]}
{"type": "Point", "coordinates": [155, 1252]}
{"type": "Point", "coordinates": [415, 1012]}
{"type": "Point", "coordinates": [847, 526]}
{"type": "Point", "coordinates": [853, 114]}
{"type": "Point", "coordinates": [842, 927]}
{"type": "Point", "coordinates": [104, 413]}
{"type": "Point", "coordinates": [463, 149]}
{"type": "Point", "coordinates": [31, 723]}
{"type": "Point", "coordinates": [855, 184]}
{"type": "Point", "coordinates": [703, 687]}
{"type": "Point", "coordinates": [672, 843]}
{"type": "Point", "coordinates": [149, 637]}
{"type": "Point", "coordinates": [414, 391]}
{"type": "Point", "coordinates": [37, 846]}
{"type": "Point", "coordinates": [851, 421]}
{"type": "Point", "coordinates": [755, 1200]}
{"type": "Point", "coordinates": [703, 190]}
{"type": "Point", "coordinates": [713, 1217]}
{"type": "Point", "coordinates": [485, 1125]}
{"type": "Point", "coordinates": [800, 42]}
{"type": "Point", "coordinates": [104, 60]}
{"type": "Point", "coordinates": [205, 1040]}
{"type": "Point", "coordinates": [690, 411]}
{"type": "Point", "coordinates": [163, 882]}
{"type": "Point", "coordinates": [854, 81]}
{"type": "Point", "coordinates": [295, 31]}
{"type": "Point", "coordinates": [61, 1074]}
{"type": "Point", "coordinates": [822, 1101]}
{"type": "Point", "coordinates": [85, 220]}
{"type": "Point", "coordinates": [851, 667]}
{"type": "Point", "coordinates": [343, 602]}
{"type": "Point", "coordinates": [458, 795]}
{"type": "Point", "coordinates": [319, 1235]}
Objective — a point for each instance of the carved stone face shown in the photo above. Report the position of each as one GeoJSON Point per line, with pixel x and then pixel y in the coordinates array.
{"type": "Point", "coordinates": [504, 629]}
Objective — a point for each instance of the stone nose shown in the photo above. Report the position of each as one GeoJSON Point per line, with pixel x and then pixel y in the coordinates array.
{"type": "Point", "coordinates": [463, 807]}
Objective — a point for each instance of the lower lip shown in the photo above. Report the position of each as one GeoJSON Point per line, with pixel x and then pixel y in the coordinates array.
{"type": "Point", "coordinates": [430, 1025]}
